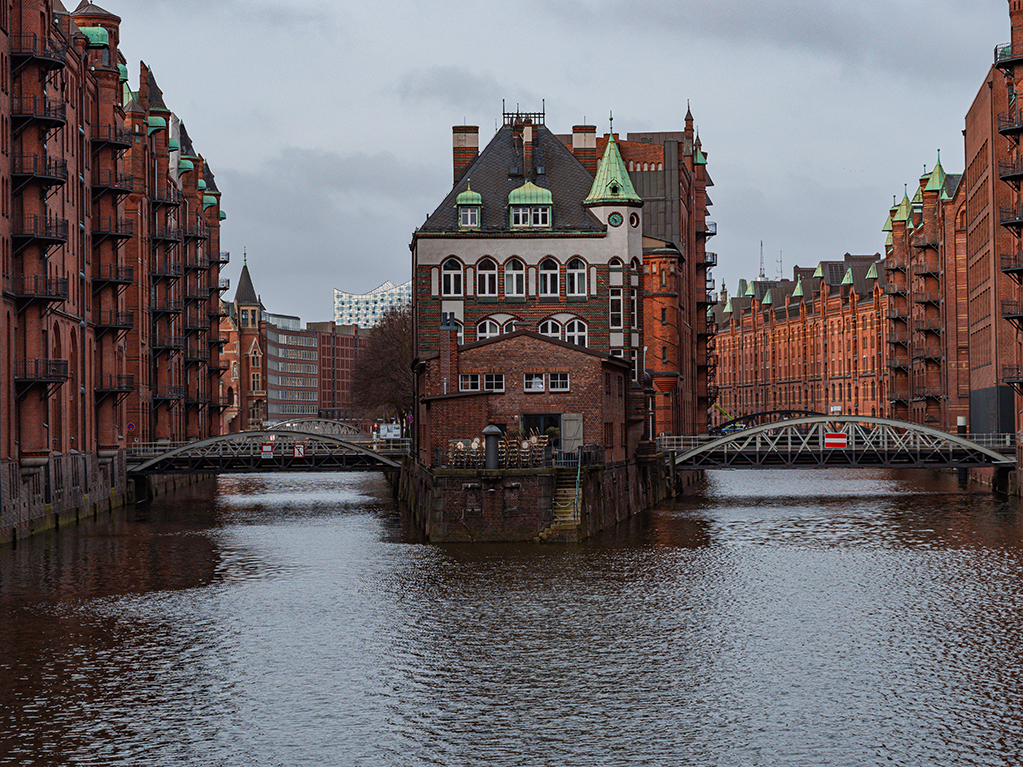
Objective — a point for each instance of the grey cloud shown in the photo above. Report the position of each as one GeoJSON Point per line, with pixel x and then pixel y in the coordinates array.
{"type": "Point", "coordinates": [458, 88]}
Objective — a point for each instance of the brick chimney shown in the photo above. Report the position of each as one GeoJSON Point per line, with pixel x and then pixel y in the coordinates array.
{"type": "Point", "coordinates": [465, 147]}
{"type": "Point", "coordinates": [528, 136]}
{"type": "Point", "coordinates": [448, 353]}
{"type": "Point", "coordinates": [584, 146]}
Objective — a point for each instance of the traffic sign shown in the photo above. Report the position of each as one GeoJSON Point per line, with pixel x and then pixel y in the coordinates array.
{"type": "Point", "coordinates": [300, 451]}
{"type": "Point", "coordinates": [267, 449]}
{"type": "Point", "coordinates": [837, 439]}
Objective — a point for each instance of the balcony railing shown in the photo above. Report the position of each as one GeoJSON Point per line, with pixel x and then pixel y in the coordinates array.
{"type": "Point", "coordinates": [1010, 123]}
{"type": "Point", "coordinates": [195, 231]}
{"type": "Point", "coordinates": [927, 392]}
{"type": "Point", "coordinates": [710, 258]}
{"type": "Point", "coordinates": [168, 392]}
{"type": "Point", "coordinates": [927, 352]}
{"type": "Point", "coordinates": [196, 293]}
{"type": "Point", "coordinates": [170, 196]}
{"type": "Point", "coordinates": [159, 341]}
{"type": "Point", "coordinates": [1012, 216]}
{"type": "Point", "coordinates": [41, 228]}
{"type": "Point", "coordinates": [1012, 374]}
{"type": "Point", "coordinates": [194, 351]}
{"type": "Point", "coordinates": [39, 166]}
{"type": "Point", "coordinates": [224, 283]}
{"type": "Point", "coordinates": [893, 264]}
{"type": "Point", "coordinates": [898, 337]}
{"type": "Point", "coordinates": [710, 228]}
{"type": "Point", "coordinates": [113, 319]}
{"type": "Point", "coordinates": [40, 371]}
{"type": "Point", "coordinates": [121, 275]}
{"type": "Point", "coordinates": [38, 108]}
{"type": "Point", "coordinates": [166, 269]}
{"type": "Point", "coordinates": [927, 296]}
{"type": "Point", "coordinates": [1012, 262]}
{"type": "Point", "coordinates": [161, 233]}
{"type": "Point", "coordinates": [932, 324]}
{"type": "Point", "coordinates": [111, 134]}
{"type": "Point", "coordinates": [897, 313]}
{"type": "Point", "coordinates": [215, 340]}
{"type": "Point", "coordinates": [49, 52]}
{"type": "Point", "coordinates": [928, 267]}
{"type": "Point", "coordinates": [105, 178]}
{"type": "Point", "coordinates": [167, 306]}
{"type": "Point", "coordinates": [1010, 170]}
{"type": "Point", "coordinates": [111, 226]}
{"type": "Point", "coordinates": [196, 321]}
{"type": "Point", "coordinates": [898, 362]}
{"type": "Point", "coordinates": [898, 394]}
{"type": "Point", "coordinates": [895, 290]}
{"type": "Point", "coordinates": [224, 256]}
{"type": "Point", "coordinates": [1006, 54]}
{"type": "Point", "coordinates": [115, 384]}
{"type": "Point", "coordinates": [36, 286]}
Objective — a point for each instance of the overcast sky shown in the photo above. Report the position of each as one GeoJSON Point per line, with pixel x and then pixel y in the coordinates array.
{"type": "Point", "coordinates": [328, 124]}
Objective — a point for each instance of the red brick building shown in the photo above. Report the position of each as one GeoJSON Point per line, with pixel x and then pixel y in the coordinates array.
{"type": "Point", "coordinates": [109, 248]}
{"type": "Point", "coordinates": [340, 347]}
{"type": "Point", "coordinates": [815, 342]}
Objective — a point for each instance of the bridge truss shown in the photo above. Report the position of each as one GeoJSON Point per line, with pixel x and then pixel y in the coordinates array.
{"type": "Point", "coordinates": [841, 441]}
{"type": "Point", "coordinates": [317, 426]}
{"type": "Point", "coordinates": [271, 451]}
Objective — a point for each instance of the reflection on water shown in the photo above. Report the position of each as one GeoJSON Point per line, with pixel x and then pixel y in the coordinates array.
{"type": "Point", "coordinates": [777, 618]}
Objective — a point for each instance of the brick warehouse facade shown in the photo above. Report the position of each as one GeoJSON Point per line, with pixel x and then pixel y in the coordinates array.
{"type": "Point", "coordinates": [93, 175]}
{"type": "Point", "coordinates": [814, 343]}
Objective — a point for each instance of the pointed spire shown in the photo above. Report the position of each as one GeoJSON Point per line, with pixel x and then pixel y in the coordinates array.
{"type": "Point", "coordinates": [872, 272]}
{"type": "Point", "coordinates": [246, 293]}
{"type": "Point", "coordinates": [848, 279]}
{"type": "Point", "coordinates": [612, 183]}
{"type": "Point", "coordinates": [798, 292]}
{"type": "Point", "coordinates": [936, 183]}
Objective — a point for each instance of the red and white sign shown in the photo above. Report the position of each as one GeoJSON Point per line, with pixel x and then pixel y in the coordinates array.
{"type": "Point", "coordinates": [267, 450]}
{"type": "Point", "coordinates": [836, 439]}
{"type": "Point", "coordinates": [300, 451]}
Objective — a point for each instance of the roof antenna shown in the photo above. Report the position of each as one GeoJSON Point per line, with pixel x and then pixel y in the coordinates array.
{"type": "Point", "coordinates": [762, 275]}
{"type": "Point", "coordinates": [780, 266]}
{"type": "Point", "coordinates": [245, 257]}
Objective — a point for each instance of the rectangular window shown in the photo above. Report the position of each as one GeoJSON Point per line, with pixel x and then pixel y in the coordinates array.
{"type": "Point", "coordinates": [609, 435]}
{"type": "Point", "coordinates": [520, 216]}
{"type": "Point", "coordinates": [470, 217]}
{"type": "Point", "coordinates": [532, 382]}
{"type": "Point", "coordinates": [469, 382]}
{"type": "Point", "coordinates": [634, 359]}
{"type": "Point", "coordinates": [634, 307]}
{"type": "Point", "coordinates": [541, 216]}
{"type": "Point", "coordinates": [615, 299]}
{"type": "Point", "coordinates": [493, 381]}
{"type": "Point", "coordinates": [257, 382]}
{"type": "Point", "coordinates": [559, 381]}
{"type": "Point", "coordinates": [514, 282]}
{"type": "Point", "coordinates": [664, 316]}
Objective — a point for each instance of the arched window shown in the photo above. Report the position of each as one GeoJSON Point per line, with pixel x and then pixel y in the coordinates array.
{"type": "Point", "coordinates": [487, 329]}
{"type": "Point", "coordinates": [486, 277]}
{"type": "Point", "coordinates": [615, 263]}
{"type": "Point", "coordinates": [575, 279]}
{"type": "Point", "coordinates": [575, 332]}
{"type": "Point", "coordinates": [549, 277]}
{"type": "Point", "coordinates": [460, 335]}
{"type": "Point", "coordinates": [551, 329]}
{"type": "Point", "coordinates": [512, 325]}
{"type": "Point", "coordinates": [451, 278]}
{"type": "Point", "coordinates": [514, 278]}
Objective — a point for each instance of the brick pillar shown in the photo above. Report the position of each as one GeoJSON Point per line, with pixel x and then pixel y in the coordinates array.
{"type": "Point", "coordinates": [584, 146]}
{"type": "Point", "coordinates": [448, 354]}
{"type": "Point", "coordinates": [465, 147]}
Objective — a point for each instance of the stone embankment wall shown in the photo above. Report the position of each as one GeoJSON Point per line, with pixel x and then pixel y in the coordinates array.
{"type": "Point", "coordinates": [479, 505]}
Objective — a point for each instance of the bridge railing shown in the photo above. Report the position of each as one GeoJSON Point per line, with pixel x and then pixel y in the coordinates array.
{"type": "Point", "coordinates": [681, 444]}
{"type": "Point", "coordinates": [141, 451]}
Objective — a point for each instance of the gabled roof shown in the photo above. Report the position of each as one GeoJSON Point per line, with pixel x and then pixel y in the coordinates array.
{"type": "Point", "coordinates": [209, 178]}
{"type": "Point", "coordinates": [612, 183]}
{"type": "Point", "coordinates": [499, 170]}
{"type": "Point", "coordinates": [186, 142]}
{"type": "Point", "coordinates": [153, 91]}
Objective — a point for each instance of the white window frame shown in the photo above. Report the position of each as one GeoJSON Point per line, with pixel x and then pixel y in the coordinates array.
{"type": "Point", "coordinates": [547, 326]}
{"type": "Point", "coordinates": [559, 381]}
{"type": "Point", "coordinates": [550, 286]}
{"type": "Point", "coordinates": [469, 216]}
{"type": "Point", "coordinates": [515, 279]}
{"type": "Point", "coordinates": [487, 329]}
{"type": "Point", "coordinates": [493, 382]}
{"type": "Point", "coordinates": [576, 332]}
{"type": "Point", "coordinates": [575, 278]}
{"type": "Point", "coordinates": [486, 278]}
{"type": "Point", "coordinates": [519, 216]}
{"type": "Point", "coordinates": [451, 278]}
{"type": "Point", "coordinates": [533, 382]}
{"type": "Point", "coordinates": [634, 308]}
{"type": "Point", "coordinates": [540, 215]}
{"type": "Point", "coordinates": [468, 382]}
{"type": "Point", "coordinates": [616, 317]}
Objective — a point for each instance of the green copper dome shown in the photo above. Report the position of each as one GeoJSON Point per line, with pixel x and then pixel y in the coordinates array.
{"type": "Point", "coordinates": [469, 197]}
{"type": "Point", "coordinates": [156, 123]}
{"type": "Point", "coordinates": [98, 37]}
{"type": "Point", "coordinates": [208, 201]}
{"type": "Point", "coordinates": [184, 166]}
{"type": "Point", "coordinates": [612, 183]}
{"type": "Point", "coordinates": [528, 194]}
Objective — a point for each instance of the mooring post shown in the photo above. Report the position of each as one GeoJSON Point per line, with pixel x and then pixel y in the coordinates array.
{"type": "Point", "coordinates": [491, 436]}
{"type": "Point", "coordinates": [964, 474]}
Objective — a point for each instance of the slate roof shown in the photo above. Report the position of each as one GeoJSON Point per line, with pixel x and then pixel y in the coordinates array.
{"type": "Point", "coordinates": [246, 294]}
{"type": "Point", "coordinates": [186, 142]}
{"type": "Point", "coordinates": [86, 8]}
{"type": "Point", "coordinates": [207, 176]}
{"type": "Point", "coordinates": [153, 90]}
{"type": "Point", "coordinates": [499, 169]}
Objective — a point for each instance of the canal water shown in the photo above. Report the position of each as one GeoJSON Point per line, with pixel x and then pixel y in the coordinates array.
{"type": "Point", "coordinates": [781, 618]}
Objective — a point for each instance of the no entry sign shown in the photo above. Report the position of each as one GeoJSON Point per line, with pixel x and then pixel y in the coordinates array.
{"type": "Point", "coordinates": [836, 439]}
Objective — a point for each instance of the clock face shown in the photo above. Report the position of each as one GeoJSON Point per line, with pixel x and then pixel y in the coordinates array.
{"type": "Point", "coordinates": [634, 220]}
{"type": "Point", "coordinates": [615, 219]}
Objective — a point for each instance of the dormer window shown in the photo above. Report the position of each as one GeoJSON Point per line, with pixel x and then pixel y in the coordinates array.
{"type": "Point", "coordinates": [541, 215]}
{"type": "Point", "coordinates": [468, 203]}
{"type": "Point", "coordinates": [530, 206]}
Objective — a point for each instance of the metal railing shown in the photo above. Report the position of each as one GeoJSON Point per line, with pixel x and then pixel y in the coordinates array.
{"type": "Point", "coordinates": [40, 166]}
{"type": "Point", "coordinates": [111, 134]}
{"type": "Point", "coordinates": [38, 286]}
{"type": "Point", "coordinates": [114, 273]}
{"type": "Point", "coordinates": [106, 178]}
{"type": "Point", "coordinates": [112, 226]}
{"type": "Point", "coordinates": [110, 318]}
{"type": "Point", "coordinates": [115, 383]}
{"type": "Point", "coordinates": [40, 371]}
{"type": "Point", "coordinates": [41, 227]}
{"type": "Point", "coordinates": [39, 108]}
{"type": "Point", "coordinates": [34, 46]}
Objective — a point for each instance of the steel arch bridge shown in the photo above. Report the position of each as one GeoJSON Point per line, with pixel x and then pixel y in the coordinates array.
{"type": "Point", "coordinates": [823, 442]}
{"type": "Point", "coordinates": [317, 426]}
{"type": "Point", "coordinates": [271, 451]}
{"type": "Point", "coordinates": [755, 419]}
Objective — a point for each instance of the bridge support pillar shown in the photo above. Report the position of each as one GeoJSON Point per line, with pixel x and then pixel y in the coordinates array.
{"type": "Point", "coordinates": [1000, 482]}
{"type": "Point", "coordinates": [964, 474]}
